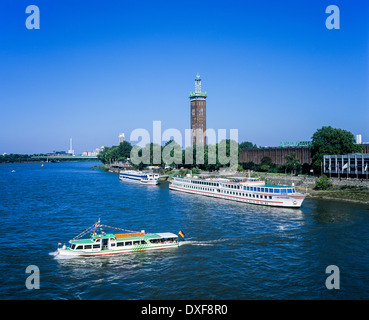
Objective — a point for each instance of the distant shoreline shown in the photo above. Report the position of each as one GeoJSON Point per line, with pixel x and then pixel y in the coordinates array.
{"type": "Point", "coordinates": [38, 161]}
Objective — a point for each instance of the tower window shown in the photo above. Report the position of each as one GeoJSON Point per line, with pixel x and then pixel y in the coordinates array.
{"type": "Point", "coordinates": [201, 111]}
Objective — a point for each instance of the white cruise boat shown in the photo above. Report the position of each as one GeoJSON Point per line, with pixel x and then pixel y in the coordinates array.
{"type": "Point", "coordinates": [250, 191]}
{"type": "Point", "coordinates": [101, 243]}
{"type": "Point", "coordinates": [142, 177]}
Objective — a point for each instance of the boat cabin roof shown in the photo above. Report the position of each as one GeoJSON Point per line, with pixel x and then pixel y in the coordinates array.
{"type": "Point", "coordinates": [127, 238]}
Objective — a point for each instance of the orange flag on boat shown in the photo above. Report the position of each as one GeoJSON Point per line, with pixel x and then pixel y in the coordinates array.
{"type": "Point", "coordinates": [181, 234]}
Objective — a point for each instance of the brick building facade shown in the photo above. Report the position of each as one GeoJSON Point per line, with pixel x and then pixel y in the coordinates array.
{"type": "Point", "coordinates": [276, 154]}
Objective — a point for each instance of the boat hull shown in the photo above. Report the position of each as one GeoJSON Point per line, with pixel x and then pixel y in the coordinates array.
{"type": "Point", "coordinates": [290, 201]}
{"type": "Point", "coordinates": [107, 252]}
{"type": "Point", "coordinates": [146, 178]}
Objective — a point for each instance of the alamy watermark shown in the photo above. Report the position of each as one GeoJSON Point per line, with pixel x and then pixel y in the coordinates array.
{"type": "Point", "coordinates": [149, 151]}
{"type": "Point", "coordinates": [33, 281]}
{"type": "Point", "coordinates": [331, 22]}
{"type": "Point", "coordinates": [33, 20]}
{"type": "Point", "coordinates": [333, 280]}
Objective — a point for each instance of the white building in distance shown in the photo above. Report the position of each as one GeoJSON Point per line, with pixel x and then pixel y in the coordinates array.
{"type": "Point", "coordinates": [71, 151]}
{"type": "Point", "coordinates": [121, 138]}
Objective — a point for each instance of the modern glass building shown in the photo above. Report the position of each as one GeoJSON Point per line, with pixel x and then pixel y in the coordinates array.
{"type": "Point", "coordinates": [347, 165]}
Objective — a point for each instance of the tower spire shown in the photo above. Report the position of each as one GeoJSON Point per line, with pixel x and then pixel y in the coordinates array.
{"type": "Point", "coordinates": [197, 84]}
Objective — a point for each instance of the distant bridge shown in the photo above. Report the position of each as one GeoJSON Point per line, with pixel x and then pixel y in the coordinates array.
{"type": "Point", "coordinates": [63, 158]}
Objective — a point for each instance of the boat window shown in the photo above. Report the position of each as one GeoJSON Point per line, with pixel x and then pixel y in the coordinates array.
{"type": "Point", "coordinates": [143, 242]}
{"type": "Point", "coordinates": [276, 191]}
{"type": "Point", "coordinates": [136, 242]}
{"type": "Point", "coordinates": [128, 243]}
{"type": "Point", "coordinates": [120, 244]}
{"type": "Point", "coordinates": [283, 190]}
{"type": "Point", "coordinates": [258, 189]}
{"type": "Point", "coordinates": [293, 190]}
{"type": "Point", "coordinates": [79, 248]}
{"type": "Point", "coordinates": [253, 195]}
{"type": "Point", "coordinates": [270, 197]}
{"type": "Point", "coordinates": [95, 246]}
{"type": "Point", "coordinates": [262, 189]}
{"type": "Point", "coordinates": [72, 246]}
{"type": "Point", "coordinates": [289, 190]}
{"type": "Point", "coordinates": [112, 244]}
{"type": "Point", "coordinates": [88, 246]}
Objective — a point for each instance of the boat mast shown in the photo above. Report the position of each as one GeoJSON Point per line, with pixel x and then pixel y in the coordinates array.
{"type": "Point", "coordinates": [97, 223]}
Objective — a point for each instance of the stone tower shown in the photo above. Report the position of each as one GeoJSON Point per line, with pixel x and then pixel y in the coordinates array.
{"type": "Point", "coordinates": [198, 114]}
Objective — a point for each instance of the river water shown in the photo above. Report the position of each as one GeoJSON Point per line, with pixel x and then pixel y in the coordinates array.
{"type": "Point", "coordinates": [230, 250]}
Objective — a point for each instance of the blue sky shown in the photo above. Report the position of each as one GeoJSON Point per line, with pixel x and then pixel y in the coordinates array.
{"type": "Point", "coordinates": [95, 69]}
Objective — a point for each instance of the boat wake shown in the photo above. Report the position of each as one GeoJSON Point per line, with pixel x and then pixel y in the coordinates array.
{"type": "Point", "coordinates": [201, 243]}
{"type": "Point", "coordinates": [195, 243]}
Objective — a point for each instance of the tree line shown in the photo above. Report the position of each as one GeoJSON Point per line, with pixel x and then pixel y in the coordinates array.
{"type": "Point", "coordinates": [326, 140]}
{"type": "Point", "coordinates": [122, 153]}
{"type": "Point", "coordinates": [16, 158]}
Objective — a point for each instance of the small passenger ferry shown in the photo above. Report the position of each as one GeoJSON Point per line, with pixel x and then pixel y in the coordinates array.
{"type": "Point", "coordinates": [143, 177]}
{"type": "Point", "coordinates": [100, 243]}
{"type": "Point", "coordinates": [251, 190]}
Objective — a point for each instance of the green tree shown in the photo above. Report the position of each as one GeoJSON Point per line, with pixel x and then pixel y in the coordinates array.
{"type": "Point", "coordinates": [266, 164]}
{"type": "Point", "coordinates": [247, 145]}
{"type": "Point", "coordinates": [328, 140]}
{"type": "Point", "coordinates": [124, 150]}
{"type": "Point", "coordinates": [322, 183]}
{"type": "Point", "coordinates": [249, 166]}
{"type": "Point", "coordinates": [172, 153]}
{"type": "Point", "coordinates": [292, 163]}
{"type": "Point", "coordinates": [232, 150]}
{"type": "Point", "coordinates": [103, 155]}
{"type": "Point", "coordinates": [115, 153]}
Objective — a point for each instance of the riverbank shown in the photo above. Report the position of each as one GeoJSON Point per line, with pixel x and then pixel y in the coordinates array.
{"type": "Point", "coordinates": [341, 195]}
{"type": "Point", "coordinates": [349, 190]}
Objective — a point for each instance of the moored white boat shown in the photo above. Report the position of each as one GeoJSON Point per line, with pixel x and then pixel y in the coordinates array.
{"type": "Point", "coordinates": [101, 243]}
{"type": "Point", "coordinates": [250, 190]}
{"type": "Point", "coordinates": [142, 177]}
